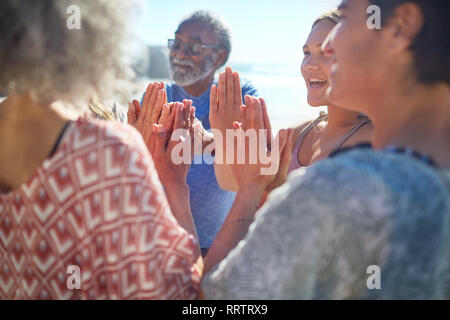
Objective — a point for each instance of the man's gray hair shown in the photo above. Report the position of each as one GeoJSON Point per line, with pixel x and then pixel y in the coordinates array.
{"type": "Point", "coordinates": [218, 26]}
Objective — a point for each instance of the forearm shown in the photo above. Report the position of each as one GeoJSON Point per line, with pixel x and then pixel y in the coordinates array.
{"type": "Point", "coordinates": [235, 226]}
{"type": "Point", "coordinates": [178, 196]}
{"type": "Point", "coordinates": [179, 201]}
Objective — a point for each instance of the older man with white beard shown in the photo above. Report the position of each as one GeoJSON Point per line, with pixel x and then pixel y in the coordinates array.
{"type": "Point", "coordinates": [201, 46]}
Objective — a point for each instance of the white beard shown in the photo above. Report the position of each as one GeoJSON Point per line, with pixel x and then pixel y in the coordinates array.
{"type": "Point", "coordinates": [184, 77]}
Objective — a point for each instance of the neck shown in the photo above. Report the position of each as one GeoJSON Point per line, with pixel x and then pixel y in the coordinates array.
{"type": "Point", "coordinates": [417, 119]}
{"type": "Point", "coordinates": [29, 130]}
{"type": "Point", "coordinates": [198, 88]}
{"type": "Point", "coordinates": [339, 117]}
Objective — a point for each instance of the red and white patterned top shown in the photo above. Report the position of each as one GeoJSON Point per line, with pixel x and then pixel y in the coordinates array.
{"type": "Point", "coordinates": [97, 203]}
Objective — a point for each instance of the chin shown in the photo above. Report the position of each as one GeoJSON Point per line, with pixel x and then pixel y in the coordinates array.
{"type": "Point", "coordinates": [333, 94]}
{"type": "Point", "coordinates": [341, 99]}
{"type": "Point", "coordinates": [315, 102]}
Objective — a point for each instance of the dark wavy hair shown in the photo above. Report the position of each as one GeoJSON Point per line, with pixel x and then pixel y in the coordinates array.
{"type": "Point", "coordinates": [431, 47]}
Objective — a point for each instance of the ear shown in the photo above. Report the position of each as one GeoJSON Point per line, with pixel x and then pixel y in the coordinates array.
{"type": "Point", "coordinates": [403, 27]}
{"type": "Point", "coordinates": [220, 58]}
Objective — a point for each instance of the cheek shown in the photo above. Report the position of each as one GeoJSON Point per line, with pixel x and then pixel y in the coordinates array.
{"type": "Point", "coordinates": [198, 61]}
{"type": "Point", "coordinates": [325, 65]}
{"type": "Point", "coordinates": [302, 70]}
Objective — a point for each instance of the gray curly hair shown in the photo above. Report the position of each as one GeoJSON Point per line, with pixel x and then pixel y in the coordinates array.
{"type": "Point", "coordinates": [39, 53]}
{"type": "Point", "coordinates": [219, 28]}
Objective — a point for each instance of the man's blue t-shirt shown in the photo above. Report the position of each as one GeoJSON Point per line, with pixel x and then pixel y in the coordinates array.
{"type": "Point", "coordinates": [209, 203]}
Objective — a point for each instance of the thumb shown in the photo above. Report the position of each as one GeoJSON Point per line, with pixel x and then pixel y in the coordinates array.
{"type": "Point", "coordinates": [131, 114]}
{"type": "Point", "coordinates": [285, 151]}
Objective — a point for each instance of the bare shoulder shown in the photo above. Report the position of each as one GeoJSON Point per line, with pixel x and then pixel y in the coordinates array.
{"type": "Point", "coordinates": [299, 126]}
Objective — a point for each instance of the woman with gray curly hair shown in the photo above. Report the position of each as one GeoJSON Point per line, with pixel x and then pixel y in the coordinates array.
{"type": "Point", "coordinates": [79, 196]}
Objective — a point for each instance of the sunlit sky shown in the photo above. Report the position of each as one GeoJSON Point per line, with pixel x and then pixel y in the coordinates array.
{"type": "Point", "coordinates": [263, 31]}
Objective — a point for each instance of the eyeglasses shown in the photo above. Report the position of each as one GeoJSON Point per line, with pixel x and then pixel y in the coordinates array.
{"type": "Point", "coordinates": [191, 48]}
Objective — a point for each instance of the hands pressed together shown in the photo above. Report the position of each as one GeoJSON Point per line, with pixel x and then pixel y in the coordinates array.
{"type": "Point", "coordinates": [157, 120]}
{"type": "Point", "coordinates": [229, 112]}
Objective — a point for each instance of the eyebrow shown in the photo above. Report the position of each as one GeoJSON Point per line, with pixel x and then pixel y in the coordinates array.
{"type": "Point", "coordinates": [195, 38]}
{"type": "Point", "coordinates": [190, 37]}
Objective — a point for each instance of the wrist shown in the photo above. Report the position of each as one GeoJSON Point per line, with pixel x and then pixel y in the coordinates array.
{"type": "Point", "coordinates": [252, 192]}
{"type": "Point", "coordinates": [175, 186]}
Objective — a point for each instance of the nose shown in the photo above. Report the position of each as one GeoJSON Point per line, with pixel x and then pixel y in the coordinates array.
{"type": "Point", "coordinates": [310, 63]}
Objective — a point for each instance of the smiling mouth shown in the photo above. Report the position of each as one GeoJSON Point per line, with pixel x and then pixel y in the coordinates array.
{"type": "Point", "coordinates": [317, 83]}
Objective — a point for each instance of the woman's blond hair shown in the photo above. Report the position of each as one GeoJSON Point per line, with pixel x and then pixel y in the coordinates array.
{"type": "Point", "coordinates": [333, 16]}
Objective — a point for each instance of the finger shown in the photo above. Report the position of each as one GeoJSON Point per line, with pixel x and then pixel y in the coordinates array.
{"type": "Point", "coordinates": [156, 113]}
{"type": "Point", "coordinates": [213, 99]}
{"type": "Point", "coordinates": [171, 107]}
{"type": "Point", "coordinates": [131, 114]}
{"type": "Point", "coordinates": [222, 91]}
{"type": "Point", "coordinates": [286, 155]}
{"type": "Point", "coordinates": [146, 131]}
{"type": "Point", "coordinates": [266, 121]}
{"type": "Point", "coordinates": [147, 94]}
{"type": "Point", "coordinates": [178, 122]}
{"type": "Point", "coordinates": [187, 104]}
{"type": "Point", "coordinates": [144, 109]}
{"type": "Point", "coordinates": [152, 102]}
{"type": "Point", "coordinates": [164, 114]}
{"type": "Point", "coordinates": [192, 120]}
{"type": "Point", "coordinates": [284, 152]}
{"type": "Point", "coordinates": [283, 136]}
{"type": "Point", "coordinates": [258, 118]}
{"type": "Point", "coordinates": [158, 140]}
{"type": "Point", "coordinates": [230, 85]}
{"type": "Point", "coordinates": [257, 123]}
{"type": "Point", "coordinates": [179, 116]}
{"type": "Point", "coordinates": [137, 107]}
{"type": "Point", "coordinates": [237, 88]}
{"type": "Point", "coordinates": [246, 120]}
{"type": "Point", "coordinates": [170, 120]}
{"type": "Point", "coordinates": [251, 113]}
{"type": "Point", "coordinates": [161, 86]}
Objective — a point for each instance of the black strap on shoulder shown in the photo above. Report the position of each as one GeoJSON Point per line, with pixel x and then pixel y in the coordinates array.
{"type": "Point", "coordinates": [364, 145]}
{"type": "Point", "coordinates": [58, 140]}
